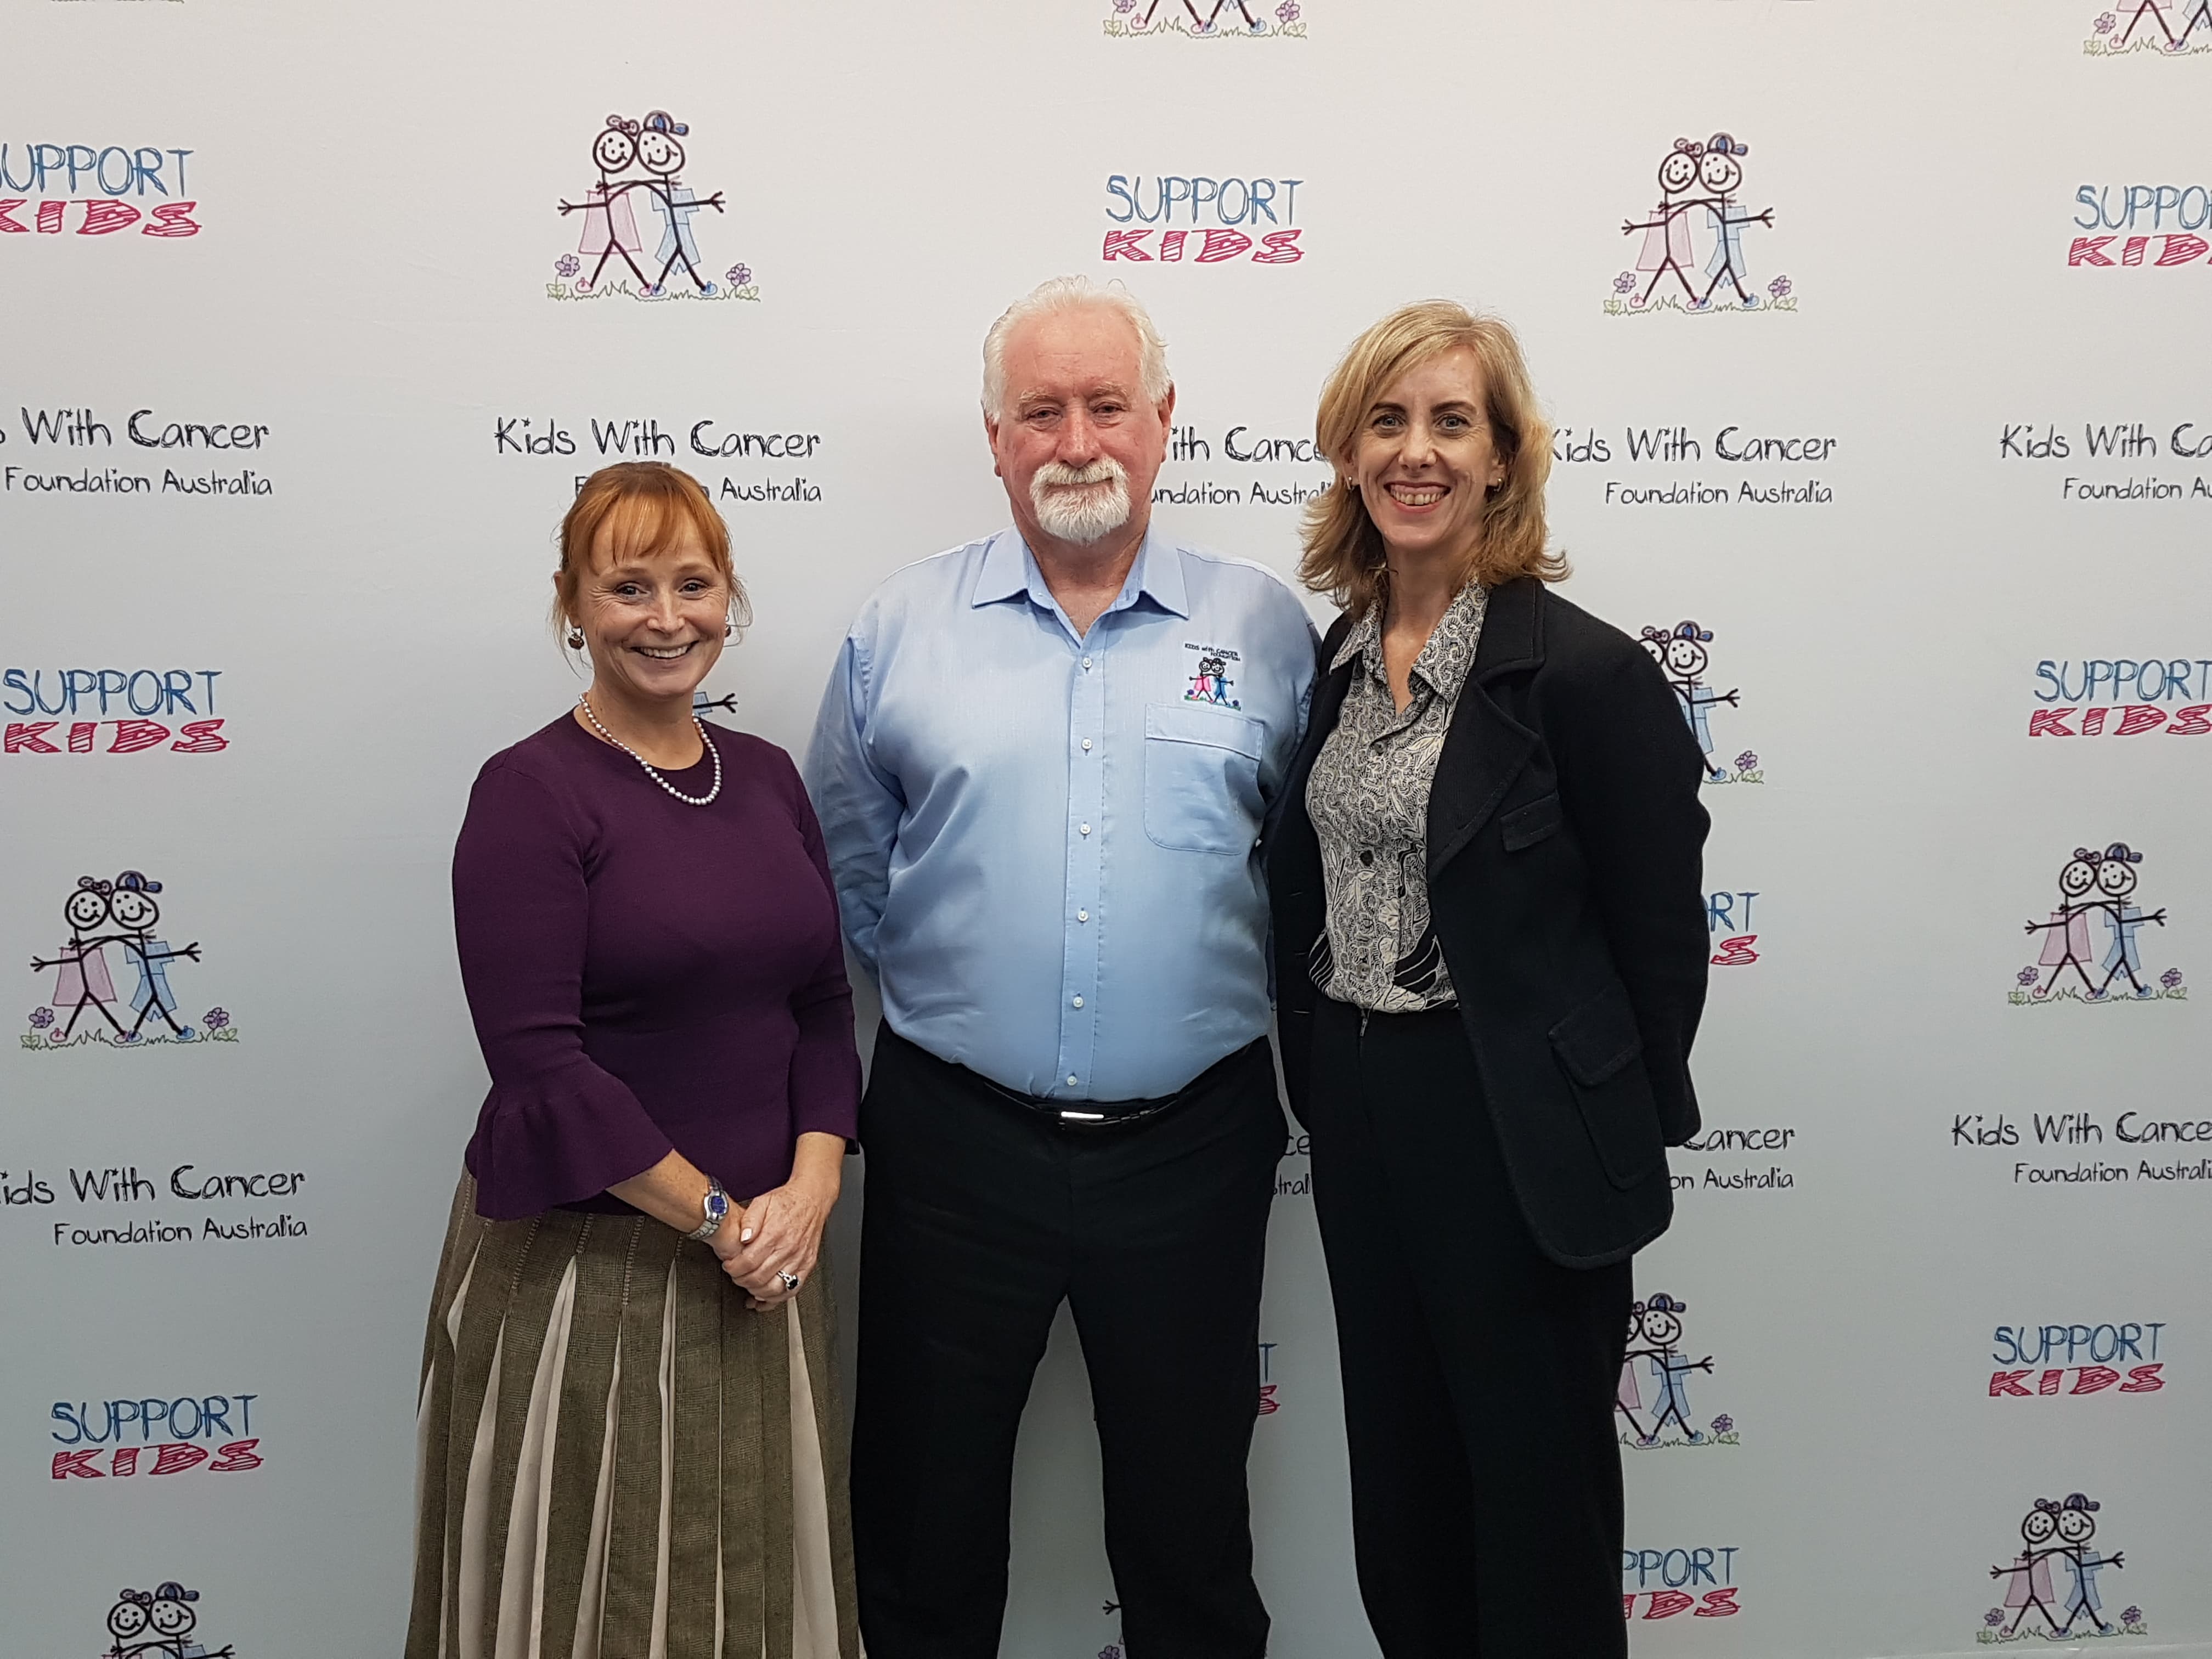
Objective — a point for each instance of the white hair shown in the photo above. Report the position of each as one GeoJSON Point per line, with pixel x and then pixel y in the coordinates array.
{"type": "Point", "coordinates": [1071, 293]}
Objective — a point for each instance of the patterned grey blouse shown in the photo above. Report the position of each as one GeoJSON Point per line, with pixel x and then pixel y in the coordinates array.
{"type": "Point", "coordinates": [1368, 800]}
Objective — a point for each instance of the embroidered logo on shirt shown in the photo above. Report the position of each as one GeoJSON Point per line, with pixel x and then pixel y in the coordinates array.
{"type": "Point", "coordinates": [1213, 681]}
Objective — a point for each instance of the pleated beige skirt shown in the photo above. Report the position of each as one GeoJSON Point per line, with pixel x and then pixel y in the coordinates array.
{"type": "Point", "coordinates": [619, 1460]}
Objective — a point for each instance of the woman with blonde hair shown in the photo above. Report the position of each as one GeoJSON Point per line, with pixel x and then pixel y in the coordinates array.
{"type": "Point", "coordinates": [631, 1444]}
{"type": "Point", "coordinates": [1491, 958]}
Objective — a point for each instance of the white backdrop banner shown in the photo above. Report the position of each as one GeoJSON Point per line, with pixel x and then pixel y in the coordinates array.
{"type": "Point", "coordinates": [1901, 450]}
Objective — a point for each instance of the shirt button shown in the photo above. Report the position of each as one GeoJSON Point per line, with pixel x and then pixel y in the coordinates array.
{"type": "Point", "coordinates": [1083, 916]}
{"type": "Point", "coordinates": [1071, 1079]}
{"type": "Point", "coordinates": [1084, 827]}
{"type": "Point", "coordinates": [1086, 746]}
{"type": "Point", "coordinates": [1086, 664]}
{"type": "Point", "coordinates": [1078, 1001]}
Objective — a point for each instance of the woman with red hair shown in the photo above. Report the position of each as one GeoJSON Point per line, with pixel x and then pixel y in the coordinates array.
{"type": "Point", "coordinates": [630, 1438]}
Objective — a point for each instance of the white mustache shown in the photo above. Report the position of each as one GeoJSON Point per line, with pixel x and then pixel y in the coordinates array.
{"type": "Point", "coordinates": [1081, 518]}
{"type": "Point", "coordinates": [1059, 474]}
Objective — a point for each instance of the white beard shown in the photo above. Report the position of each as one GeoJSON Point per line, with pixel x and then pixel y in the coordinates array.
{"type": "Point", "coordinates": [1078, 515]}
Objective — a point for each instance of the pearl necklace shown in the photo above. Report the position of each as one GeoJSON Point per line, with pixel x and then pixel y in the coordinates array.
{"type": "Point", "coordinates": [653, 771]}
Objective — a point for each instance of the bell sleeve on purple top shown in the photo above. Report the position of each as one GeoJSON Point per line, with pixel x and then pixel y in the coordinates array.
{"type": "Point", "coordinates": [556, 1128]}
{"type": "Point", "coordinates": [825, 1067]}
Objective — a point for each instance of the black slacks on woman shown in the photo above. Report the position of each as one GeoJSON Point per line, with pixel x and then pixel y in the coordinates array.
{"type": "Point", "coordinates": [982, 1216]}
{"type": "Point", "coordinates": [1480, 1376]}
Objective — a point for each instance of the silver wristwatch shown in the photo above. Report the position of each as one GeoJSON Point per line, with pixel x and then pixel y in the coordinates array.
{"type": "Point", "coordinates": [716, 1205]}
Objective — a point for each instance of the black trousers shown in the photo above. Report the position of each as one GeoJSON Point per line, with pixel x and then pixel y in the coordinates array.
{"type": "Point", "coordinates": [1479, 1376]}
{"type": "Point", "coordinates": [980, 1217]}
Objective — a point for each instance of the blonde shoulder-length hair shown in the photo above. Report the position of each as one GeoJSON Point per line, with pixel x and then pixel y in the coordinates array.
{"type": "Point", "coordinates": [1343, 555]}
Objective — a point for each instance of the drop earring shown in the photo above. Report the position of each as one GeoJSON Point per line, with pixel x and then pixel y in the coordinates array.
{"type": "Point", "coordinates": [575, 639]}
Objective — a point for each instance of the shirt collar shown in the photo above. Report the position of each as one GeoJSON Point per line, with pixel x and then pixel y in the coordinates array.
{"type": "Point", "coordinates": [1010, 569]}
{"type": "Point", "coordinates": [1444, 662]}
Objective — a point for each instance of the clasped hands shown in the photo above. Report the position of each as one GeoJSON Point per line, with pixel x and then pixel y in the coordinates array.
{"type": "Point", "coordinates": [779, 1232]}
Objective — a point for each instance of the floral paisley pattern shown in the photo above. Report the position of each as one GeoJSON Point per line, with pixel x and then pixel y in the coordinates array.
{"type": "Point", "coordinates": [1368, 800]}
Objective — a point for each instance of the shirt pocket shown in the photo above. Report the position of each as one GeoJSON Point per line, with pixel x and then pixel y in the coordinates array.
{"type": "Point", "coordinates": [1203, 779]}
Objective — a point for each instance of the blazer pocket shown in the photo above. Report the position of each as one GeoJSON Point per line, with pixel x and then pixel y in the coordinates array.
{"type": "Point", "coordinates": [1600, 1050]}
{"type": "Point", "coordinates": [1203, 779]}
{"type": "Point", "coordinates": [1524, 826]}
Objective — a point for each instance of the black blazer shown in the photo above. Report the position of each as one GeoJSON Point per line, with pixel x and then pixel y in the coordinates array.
{"type": "Point", "coordinates": [1565, 861]}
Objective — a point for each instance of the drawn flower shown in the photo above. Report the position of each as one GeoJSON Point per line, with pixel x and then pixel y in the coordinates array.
{"type": "Point", "coordinates": [1125, 5]}
{"type": "Point", "coordinates": [41, 1017]}
{"type": "Point", "coordinates": [2105, 23]}
{"type": "Point", "coordinates": [1779, 288]}
{"type": "Point", "coordinates": [2029, 976]}
{"type": "Point", "coordinates": [215, 1020]}
{"type": "Point", "coordinates": [566, 266]}
{"type": "Point", "coordinates": [739, 274]}
{"type": "Point", "coordinates": [1747, 760]}
{"type": "Point", "coordinates": [1112, 1650]}
{"type": "Point", "coordinates": [1994, 1617]}
{"type": "Point", "coordinates": [1724, 1423]}
{"type": "Point", "coordinates": [1287, 12]}
{"type": "Point", "coordinates": [2131, 1615]}
{"type": "Point", "coordinates": [2170, 978]}
{"type": "Point", "coordinates": [1625, 281]}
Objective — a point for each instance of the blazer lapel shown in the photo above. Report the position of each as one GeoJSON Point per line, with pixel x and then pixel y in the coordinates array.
{"type": "Point", "coordinates": [1484, 748]}
{"type": "Point", "coordinates": [1289, 808]}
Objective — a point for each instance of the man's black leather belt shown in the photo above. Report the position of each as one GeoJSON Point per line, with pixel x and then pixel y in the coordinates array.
{"type": "Point", "coordinates": [1122, 1113]}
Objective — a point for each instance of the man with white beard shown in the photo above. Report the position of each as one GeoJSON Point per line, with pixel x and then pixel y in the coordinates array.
{"type": "Point", "coordinates": [1043, 831]}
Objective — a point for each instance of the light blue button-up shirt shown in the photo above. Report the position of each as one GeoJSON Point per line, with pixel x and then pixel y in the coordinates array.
{"type": "Point", "coordinates": [1044, 843]}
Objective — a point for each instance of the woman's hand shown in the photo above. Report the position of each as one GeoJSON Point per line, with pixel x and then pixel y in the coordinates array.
{"type": "Point", "coordinates": [780, 1231]}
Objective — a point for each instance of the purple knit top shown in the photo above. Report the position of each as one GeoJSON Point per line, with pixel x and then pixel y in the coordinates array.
{"type": "Point", "coordinates": [647, 975]}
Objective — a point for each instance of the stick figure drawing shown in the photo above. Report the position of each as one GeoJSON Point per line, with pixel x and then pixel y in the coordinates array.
{"type": "Point", "coordinates": [1699, 182]}
{"type": "Point", "coordinates": [122, 913]}
{"type": "Point", "coordinates": [646, 155]}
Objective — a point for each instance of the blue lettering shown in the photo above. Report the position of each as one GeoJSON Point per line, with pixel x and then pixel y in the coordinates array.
{"type": "Point", "coordinates": [63, 1413]}
{"type": "Point", "coordinates": [138, 707]}
{"type": "Point", "coordinates": [14, 680]}
{"type": "Point", "coordinates": [176, 686]}
{"type": "Point", "coordinates": [1116, 185]}
{"type": "Point", "coordinates": [130, 171]}
{"type": "Point", "coordinates": [106, 690]}
{"type": "Point", "coordinates": [2087, 195]}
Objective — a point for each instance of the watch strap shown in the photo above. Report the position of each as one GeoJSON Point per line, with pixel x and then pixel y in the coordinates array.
{"type": "Point", "coordinates": [716, 1205]}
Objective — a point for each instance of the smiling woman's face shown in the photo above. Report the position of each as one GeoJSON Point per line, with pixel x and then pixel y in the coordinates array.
{"type": "Point", "coordinates": [1424, 463]}
{"type": "Point", "coordinates": [653, 620]}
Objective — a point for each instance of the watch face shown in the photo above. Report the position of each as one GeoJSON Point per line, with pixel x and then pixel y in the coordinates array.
{"type": "Point", "coordinates": [718, 1205]}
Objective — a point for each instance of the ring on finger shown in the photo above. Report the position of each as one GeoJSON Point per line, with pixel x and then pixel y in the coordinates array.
{"type": "Point", "coordinates": [790, 1280]}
